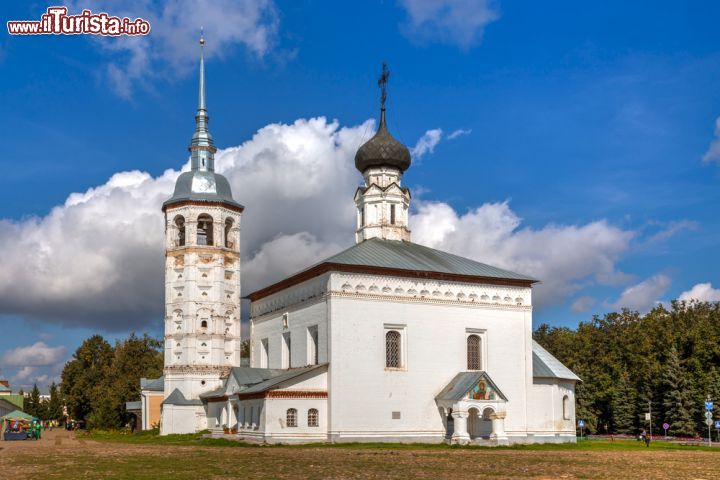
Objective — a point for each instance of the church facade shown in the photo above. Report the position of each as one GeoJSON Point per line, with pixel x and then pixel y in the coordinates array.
{"type": "Point", "coordinates": [387, 341]}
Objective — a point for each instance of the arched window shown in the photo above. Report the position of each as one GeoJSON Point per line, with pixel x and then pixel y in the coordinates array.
{"type": "Point", "coordinates": [392, 349]}
{"type": "Point", "coordinates": [228, 229]}
{"type": "Point", "coordinates": [392, 214]}
{"type": "Point", "coordinates": [473, 352]}
{"type": "Point", "coordinates": [566, 407]}
{"type": "Point", "coordinates": [291, 417]}
{"type": "Point", "coordinates": [180, 225]}
{"type": "Point", "coordinates": [312, 417]}
{"type": "Point", "coordinates": [203, 324]}
{"type": "Point", "coordinates": [205, 230]}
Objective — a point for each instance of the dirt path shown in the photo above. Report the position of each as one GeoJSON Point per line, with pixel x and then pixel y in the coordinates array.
{"type": "Point", "coordinates": [51, 440]}
{"type": "Point", "coordinates": [61, 454]}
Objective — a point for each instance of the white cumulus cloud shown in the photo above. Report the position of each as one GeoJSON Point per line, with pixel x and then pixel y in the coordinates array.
{"type": "Point", "coordinates": [564, 257]}
{"type": "Point", "coordinates": [36, 355]}
{"type": "Point", "coordinates": [460, 132]}
{"type": "Point", "coordinates": [461, 22]}
{"type": "Point", "coordinates": [713, 151]}
{"type": "Point", "coordinates": [426, 143]}
{"type": "Point", "coordinates": [172, 46]}
{"type": "Point", "coordinates": [582, 304]}
{"type": "Point", "coordinates": [703, 292]}
{"type": "Point", "coordinates": [97, 260]}
{"type": "Point", "coordinates": [644, 295]}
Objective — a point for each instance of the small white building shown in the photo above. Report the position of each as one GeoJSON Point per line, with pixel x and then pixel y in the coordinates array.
{"type": "Point", "coordinates": [387, 341]}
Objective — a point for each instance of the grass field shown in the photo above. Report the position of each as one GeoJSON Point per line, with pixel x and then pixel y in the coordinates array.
{"type": "Point", "coordinates": [148, 456]}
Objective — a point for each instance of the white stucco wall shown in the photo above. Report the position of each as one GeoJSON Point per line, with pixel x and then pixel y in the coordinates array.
{"type": "Point", "coordinates": [363, 393]}
{"type": "Point", "coordinates": [545, 409]}
{"type": "Point", "coordinates": [182, 419]}
{"type": "Point", "coordinates": [301, 315]}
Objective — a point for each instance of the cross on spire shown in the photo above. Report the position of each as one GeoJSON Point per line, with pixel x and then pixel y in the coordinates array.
{"type": "Point", "coordinates": [382, 83]}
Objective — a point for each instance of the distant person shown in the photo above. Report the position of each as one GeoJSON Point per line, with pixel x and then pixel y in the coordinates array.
{"type": "Point", "coordinates": [645, 438]}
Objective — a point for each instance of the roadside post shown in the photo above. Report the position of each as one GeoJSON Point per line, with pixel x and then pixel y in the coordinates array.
{"type": "Point", "coordinates": [665, 427]}
{"type": "Point", "coordinates": [717, 429]}
{"type": "Point", "coordinates": [581, 424]}
{"type": "Point", "coordinates": [709, 419]}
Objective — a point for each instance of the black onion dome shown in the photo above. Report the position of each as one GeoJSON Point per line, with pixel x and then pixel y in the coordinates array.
{"type": "Point", "coordinates": [382, 150]}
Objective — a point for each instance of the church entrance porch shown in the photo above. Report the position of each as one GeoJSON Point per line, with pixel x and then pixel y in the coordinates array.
{"type": "Point", "coordinates": [479, 424]}
{"type": "Point", "coordinates": [474, 410]}
{"type": "Point", "coordinates": [468, 426]}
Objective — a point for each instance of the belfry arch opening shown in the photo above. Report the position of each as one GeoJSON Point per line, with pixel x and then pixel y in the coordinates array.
{"type": "Point", "coordinates": [229, 242]}
{"type": "Point", "coordinates": [205, 230]}
{"type": "Point", "coordinates": [180, 226]}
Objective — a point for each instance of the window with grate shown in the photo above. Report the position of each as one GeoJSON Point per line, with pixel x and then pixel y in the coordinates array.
{"type": "Point", "coordinates": [291, 417]}
{"type": "Point", "coordinates": [312, 418]}
{"type": "Point", "coordinates": [473, 352]}
{"type": "Point", "coordinates": [392, 349]}
{"type": "Point", "coordinates": [566, 408]}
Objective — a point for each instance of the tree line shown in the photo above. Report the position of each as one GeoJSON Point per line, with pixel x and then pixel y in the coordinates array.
{"type": "Point", "coordinates": [44, 409]}
{"type": "Point", "coordinates": [100, 378]}
{"type": "Point", "coordinates": [666, 362]}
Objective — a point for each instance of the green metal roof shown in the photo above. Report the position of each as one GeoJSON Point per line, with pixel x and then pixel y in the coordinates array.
{"type": "Point", "coordinates": [547, 366]}
{"type": "Point", "coordinates": [177, 398]}
{"type": "Point", "coordinates": [16, 399]}
{"type": "Point", "coordinates": [153, 384]}
{"type": "Point", "coordinates": [403, 255]}
{"type": "Point", "coordinates": [16, 414]}
{"type": "Point", "coordinates": [277, 380]}
{"type": "Point", "coordinates": [252, 375]}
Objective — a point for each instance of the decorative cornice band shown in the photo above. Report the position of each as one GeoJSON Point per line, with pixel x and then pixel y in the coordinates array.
{"type": "Point", "coordinates": [300, 394]}
{"type": "Point", "coordinates": [438, 301]}
{"type": "Point", "coordinates": [184, 203]}
{"type": "Point", "coordinates": [221, 370]}
{"type": "Point", "coordinates": [383, 271]}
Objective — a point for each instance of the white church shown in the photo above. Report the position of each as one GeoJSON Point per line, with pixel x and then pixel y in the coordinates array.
{"type": "Point", "coordinates": [387, 341]}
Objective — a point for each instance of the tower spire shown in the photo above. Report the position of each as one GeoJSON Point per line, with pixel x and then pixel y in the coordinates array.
{"type": "Point", "coordinates": [201, 95]}
{"type": "Point", "coordinates": [202, 148]}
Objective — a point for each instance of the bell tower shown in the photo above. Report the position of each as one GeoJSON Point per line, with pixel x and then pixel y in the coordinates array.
{"type": "Point", "coordinates": [202, 277]}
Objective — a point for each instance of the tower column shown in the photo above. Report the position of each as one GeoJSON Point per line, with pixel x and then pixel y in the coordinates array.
{"type": "Point", "coordinates": [202, 281]}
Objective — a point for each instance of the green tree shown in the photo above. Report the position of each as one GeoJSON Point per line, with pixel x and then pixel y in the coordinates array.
{"type": "Point", "coordinates": [245, 349]}
{"type": "Point", "coordinates": [678, 397]}
{"type": "Point", "coordinates": [32, 403]}
{"type": "Point", "coordinates": [623, 405]}
{"type": "Point", "coordinates": [54, 405]}
{"type": "Point", "coordinates": [84, 378]}
{"type": "Point", "coordinates": [134, 358]}
{"type": "Point", "coordinates": [100, 378]}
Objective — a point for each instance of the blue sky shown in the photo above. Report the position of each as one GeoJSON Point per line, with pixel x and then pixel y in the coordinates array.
{"type": "Point", "coordinates": [582, 150]}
